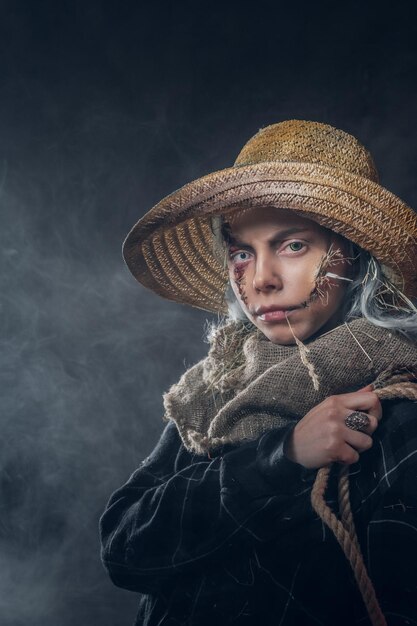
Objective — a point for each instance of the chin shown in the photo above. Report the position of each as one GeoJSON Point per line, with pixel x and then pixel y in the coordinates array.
{"type": "Point", "coordinates": [282, 342]}
{"type": "Point", "coordinates": [282, 335]}
{"type": "Point", "coordinates": [280, 338]}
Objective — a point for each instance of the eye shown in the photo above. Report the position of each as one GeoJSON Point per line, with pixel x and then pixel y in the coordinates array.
{"type": "Point", "coordinates": [240, 256]}
{"type": "Point", "coordinates": [295, 246]}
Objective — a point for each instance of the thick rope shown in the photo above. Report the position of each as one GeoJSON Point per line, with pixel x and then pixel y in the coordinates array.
{"type": "Point", "coordinates": [349, 545]}
{"type": "Point", "coordinates": [344, 528]}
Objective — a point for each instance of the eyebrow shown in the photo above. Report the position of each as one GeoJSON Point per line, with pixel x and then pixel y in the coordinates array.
{"type": "Point", "coordinates": [279, 236]}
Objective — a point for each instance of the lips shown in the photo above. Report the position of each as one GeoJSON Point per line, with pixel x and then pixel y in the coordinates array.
{"type": "Point", "coordinates": [274, 314]}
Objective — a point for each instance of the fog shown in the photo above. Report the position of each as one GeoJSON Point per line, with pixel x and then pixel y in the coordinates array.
{"type": "Point", "coordinates": [105, 110]}
{"type": "Point", "coordinates": [86, 356]}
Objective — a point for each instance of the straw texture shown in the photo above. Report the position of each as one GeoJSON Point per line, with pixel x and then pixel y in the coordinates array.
{"type": "Point", "coordinates": [318, 171]}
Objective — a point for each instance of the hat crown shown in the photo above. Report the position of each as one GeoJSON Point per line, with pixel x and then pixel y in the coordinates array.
{"type": "Point", "coordinates": [308, 142]}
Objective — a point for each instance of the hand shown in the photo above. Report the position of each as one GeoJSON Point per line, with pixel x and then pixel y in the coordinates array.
{"type": "Point", "coordinates": [321, 437]}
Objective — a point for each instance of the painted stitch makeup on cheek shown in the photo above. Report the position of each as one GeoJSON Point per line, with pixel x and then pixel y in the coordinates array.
{"type": "Point", "coordinates": [240, 281]}
{"type": "Point", "coordinates": [322, 277]}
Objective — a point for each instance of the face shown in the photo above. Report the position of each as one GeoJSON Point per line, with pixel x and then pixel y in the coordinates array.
{"type": "Point", "coordinates": [277, 264]}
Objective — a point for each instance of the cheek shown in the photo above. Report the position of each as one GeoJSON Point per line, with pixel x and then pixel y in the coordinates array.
{"type": "Point", "coordinates": [237, 279]}
{"type": "Point", "coordinates": [326, 290]}
{"type": "Point", "coordinates": [240, 281]}
{"type": "Point", "coordinates": [301, 271]}
{"type": "Point", "coordinates": [300, 281]}
{"type": "Point", "coordinates": [304, 277]}
{"type": "Point", "coordinates": [330, 302]}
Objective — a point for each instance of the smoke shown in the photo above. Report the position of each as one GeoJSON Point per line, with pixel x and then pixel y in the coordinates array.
{"type": "Point", "coordinates": [85, 356]}
{"type": "Point", "coordinates": [105, 108]}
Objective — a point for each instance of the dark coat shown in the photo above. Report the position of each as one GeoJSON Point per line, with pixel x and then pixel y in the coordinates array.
{"type": "Point", "coordinates": [233, 539]}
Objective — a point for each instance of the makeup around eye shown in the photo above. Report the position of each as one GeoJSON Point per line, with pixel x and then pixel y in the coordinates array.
{"type": "Point", "coordinates": [299, 245]}
{"type": "Point", "coordinates": [237, 256]}
{"type": "Point", "coordinates": [234, 256]}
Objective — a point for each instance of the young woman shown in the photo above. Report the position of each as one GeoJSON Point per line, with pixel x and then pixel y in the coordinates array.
{"type": "Point", "coordinates": [228, 521]}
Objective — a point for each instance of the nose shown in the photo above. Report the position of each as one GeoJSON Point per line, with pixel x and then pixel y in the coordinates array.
{"type": "Point", "coordinates": [267, 276]}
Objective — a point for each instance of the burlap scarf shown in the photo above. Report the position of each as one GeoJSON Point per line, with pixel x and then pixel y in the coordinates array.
{"type": "Point", "coordinates": [248, 385]}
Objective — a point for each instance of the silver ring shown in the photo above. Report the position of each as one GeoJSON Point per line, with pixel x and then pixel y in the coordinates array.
{"type": "Point", "coordinates": [357, 420]}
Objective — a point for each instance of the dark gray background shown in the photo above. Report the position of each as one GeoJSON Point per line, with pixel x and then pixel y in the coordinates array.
{"type": "Point", "coordinates": [105, 107]}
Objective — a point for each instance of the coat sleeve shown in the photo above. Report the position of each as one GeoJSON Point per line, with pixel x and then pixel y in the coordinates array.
{"type": "Point", "coordinates": [180, 511]}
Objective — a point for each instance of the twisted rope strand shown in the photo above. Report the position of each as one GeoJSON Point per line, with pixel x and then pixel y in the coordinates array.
{"type": "Point", "coordinates": [344, 529]}
{"type": "Point", "coordinates": [407, 390]}
{"type": "Point", "coordinates": [350, 547]}
{"type": "Point", "coordinates": [344, 504]}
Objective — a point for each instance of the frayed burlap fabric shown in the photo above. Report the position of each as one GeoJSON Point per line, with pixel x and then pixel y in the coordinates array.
{"type": "Point", "coordinates": [248, 385]}
{"type": "Point", "coordinates": [318, 171]}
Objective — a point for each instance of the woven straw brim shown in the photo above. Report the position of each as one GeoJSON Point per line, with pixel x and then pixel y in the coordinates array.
{"type": "Point", "coordinates": [170, 250]}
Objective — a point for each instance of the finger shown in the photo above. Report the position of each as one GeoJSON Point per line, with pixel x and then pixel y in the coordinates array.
{"type": "Point", "coordinates": [348, 455]}
{"type": "Point", "coordinates": [366, 401]}
{"type": "Point", "coordinates": [358, 440]}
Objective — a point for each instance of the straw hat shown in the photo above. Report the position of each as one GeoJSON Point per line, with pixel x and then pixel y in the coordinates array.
{"type": "Point", "coordinates": [318, 171]}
